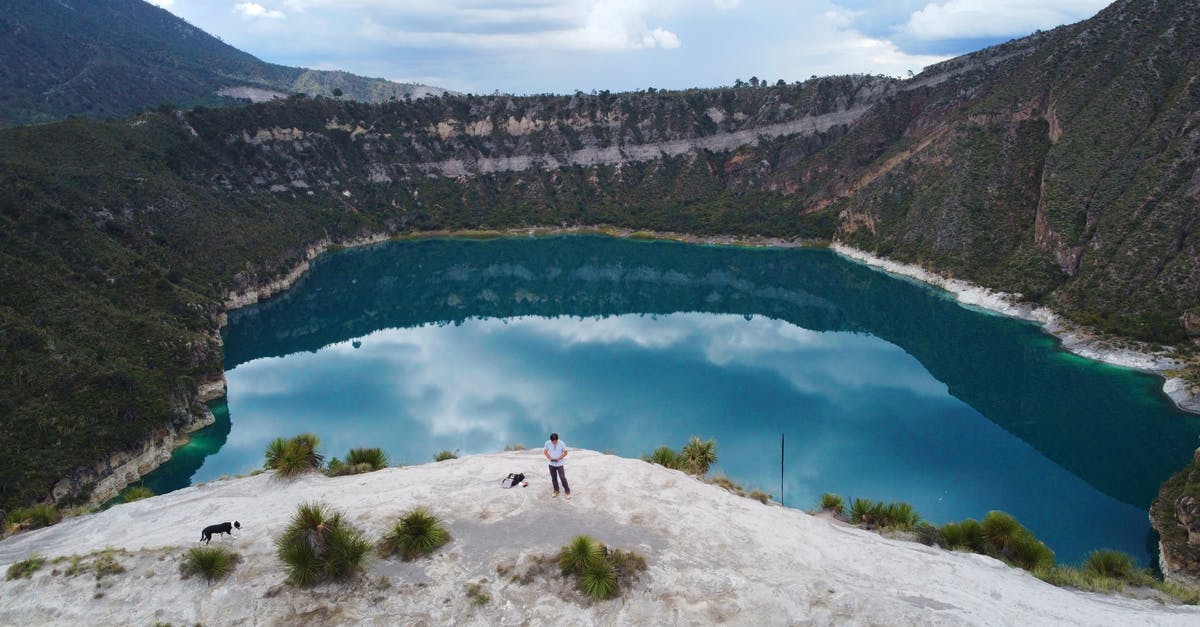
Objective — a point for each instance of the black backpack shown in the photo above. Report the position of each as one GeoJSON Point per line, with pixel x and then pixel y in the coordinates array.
{"type": "Point", "coordinates": [512, 480]}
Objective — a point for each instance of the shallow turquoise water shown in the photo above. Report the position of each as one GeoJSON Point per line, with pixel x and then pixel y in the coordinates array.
{"type": "Point", "coordinates": [885, 389]}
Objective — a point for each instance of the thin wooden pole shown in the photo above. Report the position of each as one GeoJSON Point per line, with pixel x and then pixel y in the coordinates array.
{"type": "Point", "coordinates": [781, 468]}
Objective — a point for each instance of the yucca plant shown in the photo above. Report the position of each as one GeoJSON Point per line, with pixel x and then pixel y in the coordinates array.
{"type": "Point", "coordinates": [901, 516]}
{"type": "Point", "coordinates": [860, 511]}
{"type": "Point", "coordinates": [34, 517]}
{"type": "Point", "coordinates": [598, 580]}
{"type": "Point", "coordinates": [698, 455]}
{"type": "Point", "coordinates": [419, 532]}
{"type": "Point", "coordinates": [582, 553]}
{"type": "Point", "coordinates": [1029, 553]}
{"type": "Point", "coordinates": [292, 457]}
{"type": "Point", "coordinates": [320, 544]}
{"type": "Point", "coordinates": [664, 456]}
{"type": "Point", "coordinates": [833, 503]}
{"type": "Point", "coordinates": [1000, 533]}
{"type": "Point", "coordinates": [375, 458]}
{"type": "Point", "coordinates": [136, 493]}
{"type": "Point", "coordinates": [213, 563]}
{"type": "Point", "coordinates": [1108, 563]}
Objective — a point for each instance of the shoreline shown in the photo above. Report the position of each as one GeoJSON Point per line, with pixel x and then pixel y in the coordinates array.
{"type": "Point", "coordinates": [1072, 338]}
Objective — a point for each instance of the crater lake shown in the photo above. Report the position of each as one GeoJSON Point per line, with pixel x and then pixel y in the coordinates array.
{"type": "Point", "coordinates": [884, 388]}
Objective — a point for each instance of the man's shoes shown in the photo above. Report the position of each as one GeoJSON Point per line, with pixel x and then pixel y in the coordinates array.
{"type": "Point", "coordinates": [568, 496]}
{"type": "Point", "coordinates": [555, 493]}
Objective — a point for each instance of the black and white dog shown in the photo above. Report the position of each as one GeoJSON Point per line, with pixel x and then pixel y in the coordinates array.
{"type": "Point", "coordinates": [225, 527]}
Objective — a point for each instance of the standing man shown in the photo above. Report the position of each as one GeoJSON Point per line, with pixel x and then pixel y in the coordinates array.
{"type": "Point", "coordinates": [555, 450]}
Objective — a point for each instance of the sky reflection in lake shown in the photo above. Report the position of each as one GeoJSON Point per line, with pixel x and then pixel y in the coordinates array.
{"type": "Point", "coordinates": [863, 418]}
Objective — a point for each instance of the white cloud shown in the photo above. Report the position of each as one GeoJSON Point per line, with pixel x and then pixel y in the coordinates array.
{"type": "Point", "coordinates": [256, 10]}
{"type": "Point", "coordinates": [955, 19]}
{"type": "Point", "coordinates": [727, 4]}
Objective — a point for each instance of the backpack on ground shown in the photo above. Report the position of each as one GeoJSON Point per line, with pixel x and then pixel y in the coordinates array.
{"type": "Point", "coordinates": [512, 480]}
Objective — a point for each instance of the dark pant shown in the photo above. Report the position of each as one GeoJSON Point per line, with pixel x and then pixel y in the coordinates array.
{"type": "Point", "coordinates": [556, 473]}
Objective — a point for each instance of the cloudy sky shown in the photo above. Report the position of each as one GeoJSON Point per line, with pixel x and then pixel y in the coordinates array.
{"type": "Point", "coordinates": [535, 46]}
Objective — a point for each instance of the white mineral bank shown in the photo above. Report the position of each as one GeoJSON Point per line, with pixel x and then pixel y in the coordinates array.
{"type": "Point", "coordinates": [713, 557]}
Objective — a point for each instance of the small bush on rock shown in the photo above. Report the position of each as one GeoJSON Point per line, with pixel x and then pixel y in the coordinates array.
{"type": "Point", "coordinates": [30, 518]}
{"type": "Point", "coordinates": [320, 544]}
{"type": "Point", "coordinates": [833, 503]}
{"type": "Point", "coordinates": [136, 493]}
{"type": "Point", "coordinates": [599, 572]}
{"type": "Point", "coordinates": [419, 532]}
{"type": "Point", "coordinates": [442, 456]}
{"type": "Point", "coordinates": [212, 563]}
{"type": "Point", "coordinates": [664, 456]}
{"type": "Point", "coordinates": [1107, 563]}
{"type": "Point", "coordinates": [25, 568]}
{"type": "Point", "coordinates": [289, 458]}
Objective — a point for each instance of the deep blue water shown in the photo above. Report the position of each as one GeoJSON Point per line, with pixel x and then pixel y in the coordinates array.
{"type": "Point", "coordinates": [885, 389]}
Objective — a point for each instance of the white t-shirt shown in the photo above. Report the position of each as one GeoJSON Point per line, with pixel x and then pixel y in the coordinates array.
{"type": "Point", "coordinates": [556, 451]}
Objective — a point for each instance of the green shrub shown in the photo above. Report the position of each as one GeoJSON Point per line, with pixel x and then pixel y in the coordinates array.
{"type": "Point", "coordinates": [1108, 563]}
{"type": "Point", "coordinates": [373, 457]}
{"type": "Point", "coordinates": [582, 553]}
{"type": "Point", "coordinates": [598, 580]}
{"type": "Point", "coordinates": [25, 568]}
{"type": "Point", "coordinates": [289, 458]}
{"type": "Point", "coordinates": [760, 496]}
{"type": "Point", "coordinates": [34, 517]}
{"type": "Point", "coordinates": [418, 532]}
{"type": "Point", "coordinates": [136, 493]}
{"type": "Point", "coordinates": [833, 503]}
{"type": "Point", "coordinates": [106, 564]}
{"type": "Point", "coordinates": [861, 511]}
{"type": "Point", "coordinates": [320, 544]}
{"type": "Point", "coordinates": [1030, 553]}
{"type": "Point", "coordinates": [698, 455]}
{"type": "Point", "coordinates": [515, 446]}
{"type": "Point", "coordinates": [929, 535]}
{"type": "Point", "coordinates": [899, 516]}
{"type": "Point", "coordinates": [213, 563]}
{"type": "Point", "coordinates": [442, 456]}
{"type": "Point", "coordinates": [664, 456]}
{"type": "Point", "coordinates": [1000, 533]}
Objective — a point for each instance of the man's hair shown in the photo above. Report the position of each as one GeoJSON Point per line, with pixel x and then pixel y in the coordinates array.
{"type": "Point", "coordinates": [553, 436]}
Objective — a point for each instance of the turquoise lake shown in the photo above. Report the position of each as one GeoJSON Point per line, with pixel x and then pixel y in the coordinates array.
{"type": "Point", "coordinates": [884, 388]}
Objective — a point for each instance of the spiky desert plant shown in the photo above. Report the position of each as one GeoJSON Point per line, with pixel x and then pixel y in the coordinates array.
{"type": "Point", "coordinates": [698, 455]}
{"type": "Point", "coordinates": [1029, 553]}
{"type": "Point", "coordinates": [860, 511]}
{"type": "Point", "coordinates": [34, 517]}
{"type": "Point", "coordinates": [211, 562]}
{"type": "Point", "coordinates": [1000, 533]}
{"type": "Point", "coordinates": [833, 503]}
{"type": "Point", "coordinates": [972, 533]}
{"type": "Point", "coordinates": [582, 553]}
{"type": "Point", "coordinates": [664, 456]}
{"type": "Point", "coordinates": [901, 516]}
{"type": "Point", "coordinates": [136, 493]}
{"type": "Point", "coordinates": [318, 544]}
{"type": "Point", "coordinates": [373, 457]}
{"type": "Point", "coordinates": [418, 532]}
{"type": "Point", "coordinates": [292, 457]}
{"type": "Point", "coordinates": [1109, 563]}
{"type": "Point", "coordinates": [598, 580]}
{"type": "Point", "coordinates": [444, 455]}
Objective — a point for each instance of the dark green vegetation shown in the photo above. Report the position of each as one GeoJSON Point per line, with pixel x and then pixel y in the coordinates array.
{"type": "Point", "coordinates": [320, 545]}
{"type": "Point", "coordinates": [34, 517]}
{"type": "Point", "coordinates": [24, 569]}
{"type": "Point", "coordinates": [419, 532]}
{"type": "Point", "coordinates": [694, 458]}
{"type": "Point", "coordinates": [599, 572]}
{"type": "Point", "coordinates": [294, 456]}
{"type": "Point", "coordinates": [213, 563]}
{"type": "Point", "coordinates": [1176, 516]}
{"type": "Point", "coordinates": [106, 58]}
{"type": "Point", "coordinates": [1060, 166]}
{"type": "Point", "coordinates": [358, 461]}
{"type": "Point", "coordinates": [135, 493]}
{"type": "Point", "coordinates": [442, 456]}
